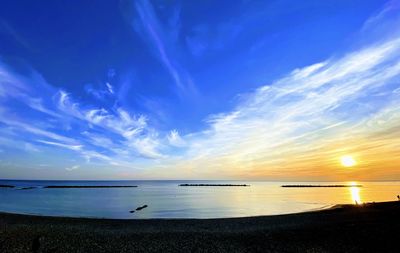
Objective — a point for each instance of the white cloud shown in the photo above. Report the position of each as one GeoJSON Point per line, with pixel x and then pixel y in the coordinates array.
{"type": "Point", "coordinates": [120, 122]}
{"type": "Point", "coordinates": [90, 155]}
{"type": "Point", "coordinates": [304, 106]}
{"type": "Point", "coordinates": [99, 140]}
{"type": "Point", "coordinates": [133, 129]}
{"type": "Point", "coordinates": [62, 145]}
{"type": "Point", "coordinates": [175, 139]}
{"type": "Point", "coordinates": [127, 130]}
{"type": "Point", "coordinates": [147, 147]}
{"type": "Point", "coordinates": [390, 9]}
{"type": "Point", "coordinates": [110, 88]}
{"type": "Point", "coordinates": [21, 126]}
{"type": "Point", "coordinates": [75, 167]}
{"type": "Point", "coordinates": [285, 117]}
{"type": "Point", "coordinates": [10, 84]}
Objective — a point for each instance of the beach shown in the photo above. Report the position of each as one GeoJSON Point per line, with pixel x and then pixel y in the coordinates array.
{"type": "Point", "coordinates": [346, 228]}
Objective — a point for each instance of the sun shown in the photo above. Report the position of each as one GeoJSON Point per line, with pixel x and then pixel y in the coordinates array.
{"type": "Point", "coordinates": [347, 161]}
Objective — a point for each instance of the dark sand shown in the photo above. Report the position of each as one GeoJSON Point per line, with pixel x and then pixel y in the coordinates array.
{"type": "Point", "coordinates": [368, 228]}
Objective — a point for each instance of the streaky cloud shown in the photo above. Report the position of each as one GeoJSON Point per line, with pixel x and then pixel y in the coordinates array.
{"type": "Point", "coordinates": [72, 147]}
{"type": "Point", "coordinates": [162, 41]}
{"type": "Point", "coordinates": [308, 105]}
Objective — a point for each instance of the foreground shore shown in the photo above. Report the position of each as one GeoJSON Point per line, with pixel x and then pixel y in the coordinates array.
{"type": "Point", "coordinates": [348, 228]}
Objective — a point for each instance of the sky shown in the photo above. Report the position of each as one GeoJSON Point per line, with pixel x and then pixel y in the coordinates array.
{"type": "Point", "coordinates": [266, 90]}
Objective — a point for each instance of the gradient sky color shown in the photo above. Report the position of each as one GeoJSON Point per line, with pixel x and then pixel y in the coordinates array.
{"type": "Point", "coordinates": [274, 90]}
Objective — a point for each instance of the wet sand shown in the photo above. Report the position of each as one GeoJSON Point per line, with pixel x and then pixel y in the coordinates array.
{"type": "Point", "coordinates": [346, 228]}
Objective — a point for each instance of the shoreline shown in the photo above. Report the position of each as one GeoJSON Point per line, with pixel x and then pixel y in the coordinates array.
{"type": "Point", "coordinates": [318, 209]}
{"type": "Point", "coordinates": [325, 207]}
{"type": "Point", "coordinates": [312, 211]}
{"type": "Point", "coordinates": [371, 227]}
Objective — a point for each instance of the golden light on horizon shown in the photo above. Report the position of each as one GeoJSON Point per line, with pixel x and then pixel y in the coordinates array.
{"type": "Point", "coordinates": [347, 161]}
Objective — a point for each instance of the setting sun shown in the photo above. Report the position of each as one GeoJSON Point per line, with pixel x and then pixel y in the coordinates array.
{"type": "Point", "coordinates": [347, 161]}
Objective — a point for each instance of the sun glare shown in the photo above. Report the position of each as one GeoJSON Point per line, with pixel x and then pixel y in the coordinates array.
{"type": "Point", "coordinates": [355, 194]}
{"type": "Point", "coordinates": [347, 161]}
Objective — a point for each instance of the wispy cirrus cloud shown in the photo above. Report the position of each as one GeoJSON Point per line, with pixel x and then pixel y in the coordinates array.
{"type": "Point", "coordinates": [6, 28]}
{"type": "Point", "coordinates": [304, 121]}
{"type": "Point", "coordinates": [103, 92]}
{"type": "Point", "coordinates": [389, 13]}
{"type": "Point", "coordinates": [162, 36]}
{"type": "Point", "coordinates": [283, 125]}
{"type": "Point", "coordinates": [120, 121]}
{"type": "Point", "coordinates": [22, 126]}
{"type": "Point", "coordinates": [175, 139]}
{"type": "Point", "coordinates": [72, 147]}
{"type": "Point", "coordinates": [297, 124]}
{"type": "Point", "coordinates": [293, 128]}
{"type": "Point", "coordinates": [75, 167]}
{"type": "Point", "coordinates": [111, 135]}
{"type": "Point", "coordinates": [132, 131]}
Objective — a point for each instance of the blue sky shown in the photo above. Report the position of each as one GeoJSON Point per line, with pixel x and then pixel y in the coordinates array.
{"type": "Point", "coordinates": [197, 89]}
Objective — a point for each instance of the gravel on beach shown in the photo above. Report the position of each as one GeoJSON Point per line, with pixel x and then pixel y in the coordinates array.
{"type": "Point", "coordinates": [347, 228]}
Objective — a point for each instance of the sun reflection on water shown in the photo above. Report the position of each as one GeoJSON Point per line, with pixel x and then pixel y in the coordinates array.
{"type": "Point", "coordinates": [355, 194]}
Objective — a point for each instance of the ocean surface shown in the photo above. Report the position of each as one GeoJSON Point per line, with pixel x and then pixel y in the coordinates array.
{"type": "Point", "coordinates": [165, 199]}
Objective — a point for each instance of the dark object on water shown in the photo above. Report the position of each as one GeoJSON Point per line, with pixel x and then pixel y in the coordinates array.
{"type": "Point", "coordinates": [132, 211]}
{"type": "Point", "coordinates": [141, 207]}
{"type": "Point", "coordinates": [6, 186]}
{"type": "Point", "coordinates": [89, 186]}
{"type": "Point", "coordinates": [28, 188]}
{"type": "Point", "coordinates": [319, 185]}
{"type": "Point", "coordinates": [36, 244]}
{"type": "Point", "coordinates": [214, 185]}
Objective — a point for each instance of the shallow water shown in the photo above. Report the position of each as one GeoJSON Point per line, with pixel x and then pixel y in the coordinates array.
{"type": "Point", "coordinates": [165, 199]}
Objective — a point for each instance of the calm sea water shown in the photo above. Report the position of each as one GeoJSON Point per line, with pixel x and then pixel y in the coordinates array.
{"type": "Point", "coordinates": [165, 199]}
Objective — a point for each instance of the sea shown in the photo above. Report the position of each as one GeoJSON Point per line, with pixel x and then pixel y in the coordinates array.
{"type": "Point", "coordinates": [166, 199]}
